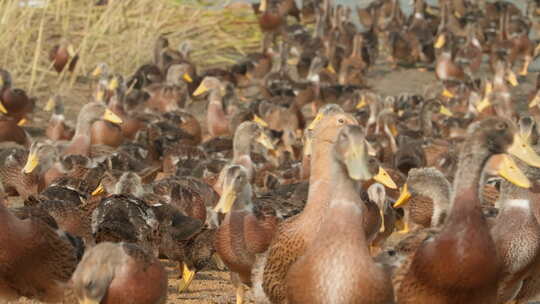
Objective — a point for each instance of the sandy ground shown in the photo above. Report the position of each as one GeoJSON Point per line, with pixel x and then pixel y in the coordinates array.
{"type": "Point", "coordinates": [214, 286]}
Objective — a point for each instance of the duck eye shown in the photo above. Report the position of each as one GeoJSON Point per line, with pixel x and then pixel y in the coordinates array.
{"type": "Point", "coordinates": [502, 126]}
{"type": "Point", "coordinates": [341, 121]}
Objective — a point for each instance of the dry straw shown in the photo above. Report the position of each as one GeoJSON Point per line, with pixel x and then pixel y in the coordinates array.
{"type": "Point", "coordinates": [121, 34]}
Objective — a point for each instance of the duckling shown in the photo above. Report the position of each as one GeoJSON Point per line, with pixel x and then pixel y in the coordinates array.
{"type": "Point", "coordinates": [57, 128]}
{"type": "Point", "coordinates": [112, 272]}
{"type": "Point", "coordinates": [63, 54]}
{"type": "Point", "coordinates": [255, 229]}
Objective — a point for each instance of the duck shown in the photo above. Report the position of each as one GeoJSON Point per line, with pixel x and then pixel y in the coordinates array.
{"type": "Point", "coordinates": [273, 19]}
{"type": "Point", "coordinates": [309, 279]}
{"type": "Point", "coordinates": [431, 262]}
{"type": "Point", "coordinates": [63, 54]}
{"type": "Point", "coordinates": [243, 220]}
{"type": "Point", "coordinates": [57, 128]}
{"type": "Point", "coordinates": [16, 103]}
{"type": "Point", "coordinates": [293, 235]}
{"type": "Point", "coordinates": [427, 195]}
{"type": "Point", "coordinates": [82, 139]}
{"type": "Point", "coordinates": [111, 272]}
{"type": "Point", "coordinates": [38, 260]}
{"type": "Point", "coordinates": [217, 118]}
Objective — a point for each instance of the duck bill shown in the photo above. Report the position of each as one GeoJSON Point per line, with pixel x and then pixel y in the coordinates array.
{"type": "Point", "coordinates": [263, 6]}
{"type": "Point", "coordinates": [99, 190]}
{"type": "Point", "coordinates": [362, 103]}
{"type": "Point", "coordinates": [97, 71]}
{"type": "Point", "coordinates": [187, 78]}
{"type": "Point", "coordinates": [187, 277]}
{"type": "Point", "coordinates": [2, 107]}
{"type": "Point", "coordinates": [86, 300]}
{"type": "Point", "coordinates": [512, 78]}
{"type": "Point", "coordinates": [315, 121]}
{"type": "Point", "coordinates": [50, 105]}
{"type": "Point", "coordinates": [510, 171]}
{"type": "Point", "coordinates": [483, 105]}
{"type": "Point", "coordinates": [384, 178]}
{"type": "Point", "coordinates": [441, 40]}
{"type": "Point", "coordinates": [71, 50]}
{"type": "Point", "coordinates": [260, 121]}
{"type": "Point", "coordinates": [31, 163]}
{"type": "Point", "coordinates": [100, 95]}
{"type": "Point", "coordinates": [264, 140]}
{"type": "Point", "coordinates": [113, 84]}
{"type": "Point", "coordinates": [200, 90]}
{"type": "Point", "coordinates": [226, 200]}
{"type": "Point", "coordinates": [404, 197]}
{"type": "Point", "coordinates": [330, 69]}
{"type": "Point", "coordinates": [445, 111]}
{"type": "Point", "coordinates": [535, 101]}
{"type": "Point", "coordinates": [111, 117]}
{"type": "Point", "coordinates": [357, 162]}
{"type": "Point", "coordinates": [522, 150]}
{"type": "Point", "coordinates": [446, 93]}
{"type": "Point", "coordinates": [22, 122]}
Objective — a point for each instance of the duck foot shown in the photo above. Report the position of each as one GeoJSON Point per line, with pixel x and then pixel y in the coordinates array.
{"type": "Point", "coordinates": [187, 278]}
{"type": "Point", "coordinates": [240, 294]}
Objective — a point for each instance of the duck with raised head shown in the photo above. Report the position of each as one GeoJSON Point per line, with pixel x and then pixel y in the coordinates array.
{"type": "Point", "coordinates": [464, 267]}
{"type": "Point", "coordinates": [120, 272]}
{"type": "Point", "coordinates": [341, 247]}
{"type": "Point", "coordinates": [57, 128]}
{"type": "Point", "coordinates": [63, 54]}
{"type": "Point", "coordinates": [217, 118]}
{"type": "Point", "coordinates": [254, 225]}
{"type": "Point", "coordinates": [89, 113]}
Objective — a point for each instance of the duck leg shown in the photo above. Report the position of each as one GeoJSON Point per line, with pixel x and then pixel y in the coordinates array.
{"type": "Point", "coordinates": [526, 61]}
{"type": "Point", "coordinates": [237, 283]}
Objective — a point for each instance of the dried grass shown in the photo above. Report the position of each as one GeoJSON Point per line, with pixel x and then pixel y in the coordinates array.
{"type": "Point", "coordinates": [122, 34]}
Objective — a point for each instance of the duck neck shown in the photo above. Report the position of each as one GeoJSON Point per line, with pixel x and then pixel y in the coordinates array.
{"type": "Point", "coordinates": [241, 145]}
{"type": "Point", "coordinates": [426, 124]}
{"type": "Point", "coordinates": [243, 200]}
{"type": "Point", "coordinates": [343, 187]}
{"type": "Point", "coordinates": [215, 105]}
{"type": "Point", "coordinates": [467, 178]}
{"type": "Point", "coordinates": [320, 178]}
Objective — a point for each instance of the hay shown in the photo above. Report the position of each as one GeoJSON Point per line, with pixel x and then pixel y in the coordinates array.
{"type": "Point", "coordinates": [121, 34]}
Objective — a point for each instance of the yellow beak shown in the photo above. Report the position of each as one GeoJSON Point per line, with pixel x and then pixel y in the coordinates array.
{"type": "Point", "coordinates": [100, 94]}
{"type": "Point", "coordinates": [535, 101]}
{"type": "Point", "coordinates": [522, 150]}
{"type": "Point", "coordinates": [50, 105]}
{"type": "Point", "coordinates": [441, 40]}
{"type": "Point", "coordinates": [330, 69]}
{"type": "Point", "coordinates": [510, 171]}
{"type": "Point", "coordinates": [99, 190]}
{"type": "Point", "coordinates": [404, 197]}
{"type": "Point", "coordinates": [313, 124]}
{"type": "Point", "coordinates": [113, 84]}
{"type": "Point", "coordinates": [483, 105]}
{"type": "Point", "coordinates": [110, 116]}
{"type": "Point", "coordinates": [86, 300]}
{"type": "Point", "coordinates": [71, 50]}
{"type": "Point", "coordinates": [447, 93]}
{"type": "Point", "coordinates": [22, 122]}
{"type": "Point", "coordinates": [362, 103]}
{"type": "Point", "coordinates": [264, 140]}
{"type": "Point", "coordinates": [97, 71]}
{"type": "Point", "coordinates": [2, 108]}
{"type": "Point", "coordinates": [511, 77]}
{"type": "Point", "coordinates": [260, 121]}
{"type": "Point", "coordinates": [226, 200]}
{"type": "Point", "coordinates": [187, 78]}
{"type": "Point", "coordinates": [31, 163]}
{"type": "Point", "coordinates": [384, 178]}
{"type": "Point", "coordinates": [200, 90]}
{"type": "Point", "coordinates": [445, 111]}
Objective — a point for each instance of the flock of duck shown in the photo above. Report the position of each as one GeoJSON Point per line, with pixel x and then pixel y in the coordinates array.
{"type": "Point", "coordinates": [304, 182]}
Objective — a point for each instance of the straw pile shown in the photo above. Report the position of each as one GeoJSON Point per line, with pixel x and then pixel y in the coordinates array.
{"type": "Point", "coordinates": [121, 34]}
